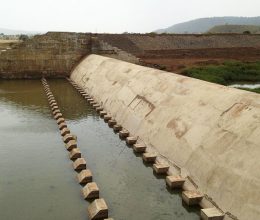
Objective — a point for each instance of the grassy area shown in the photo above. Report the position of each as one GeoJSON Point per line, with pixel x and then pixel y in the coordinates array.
{"type": "Point", "coordinates": [227, 73]}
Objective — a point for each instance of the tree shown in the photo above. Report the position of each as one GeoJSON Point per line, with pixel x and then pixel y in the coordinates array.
{"type": "Point", "coordinates": [246, 32]}
{"type": "Point", "coordinates": [23, 37]}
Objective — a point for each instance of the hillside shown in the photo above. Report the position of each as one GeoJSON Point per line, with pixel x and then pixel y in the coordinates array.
{"type": "Point", "coordinates": [235, 29]}
{"type": "Point", "coordinates": [202, 25]}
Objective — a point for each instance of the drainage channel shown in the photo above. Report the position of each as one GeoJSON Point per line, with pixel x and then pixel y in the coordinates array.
{"type": "Point", "coordinates": [36, 182]}
{"type": "Point", "coordinates": [131, 189]}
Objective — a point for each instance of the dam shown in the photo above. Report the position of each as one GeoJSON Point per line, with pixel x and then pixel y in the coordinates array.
{"type": "Point", "coordinates": [159, 145]}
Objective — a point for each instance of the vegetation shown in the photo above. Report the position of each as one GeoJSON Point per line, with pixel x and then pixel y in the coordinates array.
{"type": "Point", "coordinates": [246, 29]}
{"type": "Point", "coordinates": [23, 37]}
{"type": "Point", "coordinates": [227, 73]}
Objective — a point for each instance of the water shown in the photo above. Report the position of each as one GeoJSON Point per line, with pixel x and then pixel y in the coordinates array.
{"type": "Point", "coordinates": [246, 85]}
{"type": "Point", "coordinates": [36, 177]}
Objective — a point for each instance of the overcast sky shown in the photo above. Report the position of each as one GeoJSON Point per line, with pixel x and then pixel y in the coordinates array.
{"type": "Point", "coordinates": [115, 15]}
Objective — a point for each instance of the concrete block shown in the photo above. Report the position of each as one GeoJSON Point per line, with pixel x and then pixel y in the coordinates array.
{"type": "Point", "coordinates": [79, 164]}
{"type": "Point", "coordinates": [160, 168]}
{"type": "Point", "coordinates": [51, 98]}
{"type": "Point", "coordinates": [53, 104]}
{"type": "Point", "coordinates": [75, 154]}
{"type": "Point", "coordinates": [62, 125]}
{"type": "Point", "coordinates": [55, 108]}
{"type": "Point", "coordinates": [71, 145]}
{"type": "Point", "coordinates": [131, 140]}
{"type": "Point", "coordinates": [149, 157]}
{"type": "Point", "coordinates": [124, 133]}
{"type": "Point", "coordinates": [107, 118]}
{"type": "Point", "coordinates": [99, 109]}
{"type": "Point", "coordinates": [102, 113]}
{"type": "Point", "coordinates": [117, 128]}
{"type": "Point", "coordinates": [92, 102]}
{"type": "Point", "coordinates": [53, 101]}
{"type": "Point", "coordinates": [211, 214]}
{"type": "Point", "coordinates": [60, 120]}
{"type": "Point", "coordinates": [64, 131]}
{"type": "Point", "coordinates": [192, 197]}
{"type": "Point", "coordinates": [96, 105]}
{"type": "Point", "coordinates": [139, 148]}
{"type": "Point", "coordinates": [67, 138]}
{"type": "Point", "coordinates": [84, 177]}
{"type": "Point", "coordinates": [56, 112]}
{"type": "Point", "coordinates": [175, 182]}
{"type": "Point", "coordinates": [90, 191]}
{"type": "Point", "coordinates": [57, 116]}
{"type": "Point", "coordinates": [111, 122]}
{"type": "Point", "coordinates": [98, 209]}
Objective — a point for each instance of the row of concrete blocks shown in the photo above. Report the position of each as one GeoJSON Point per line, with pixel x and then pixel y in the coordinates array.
{"type": "Point", "coordinates": [191, 197]}
{"type": "Point", "coordinates": [98, 208]}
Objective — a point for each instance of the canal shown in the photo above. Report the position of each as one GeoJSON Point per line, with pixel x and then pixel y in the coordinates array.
{"type": "Point", "coordinates": [37, 180]}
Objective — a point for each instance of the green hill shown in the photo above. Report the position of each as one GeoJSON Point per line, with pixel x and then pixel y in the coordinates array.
{"type": "Point", "coordinates": [203, 25]}
{"type": "Point", "coordinates": [235, 29]}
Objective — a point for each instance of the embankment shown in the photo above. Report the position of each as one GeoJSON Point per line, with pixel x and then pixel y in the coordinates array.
{"type": "Point", "coordinates": [210, 131]}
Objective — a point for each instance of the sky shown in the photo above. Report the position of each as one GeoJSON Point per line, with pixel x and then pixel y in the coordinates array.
{"type": "Point", "coordinates": [115, 16]}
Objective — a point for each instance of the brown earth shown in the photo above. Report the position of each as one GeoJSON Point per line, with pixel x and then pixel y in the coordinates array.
{"type": "Point", "coordinates": [176, 52]}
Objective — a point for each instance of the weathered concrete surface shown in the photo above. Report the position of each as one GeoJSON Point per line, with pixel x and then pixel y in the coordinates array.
{"type": "Point", "coordinates": [51, 55]}
{"type": "Point", "coordinates": [212, 132]}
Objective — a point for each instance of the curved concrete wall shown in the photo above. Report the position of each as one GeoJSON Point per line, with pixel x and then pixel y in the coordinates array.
{"type": "Point", "coordinates": [209, 130]}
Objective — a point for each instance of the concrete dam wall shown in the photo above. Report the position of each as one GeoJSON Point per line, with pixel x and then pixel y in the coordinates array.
{"type": "Point", "coordinates": [210, 132]}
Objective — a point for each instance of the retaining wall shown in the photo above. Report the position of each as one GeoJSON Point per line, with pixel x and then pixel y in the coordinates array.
{"type": "Point", "coordinates": [210, 131]}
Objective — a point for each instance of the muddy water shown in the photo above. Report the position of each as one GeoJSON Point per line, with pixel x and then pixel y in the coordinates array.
{"type": "Point", "coordinates": [129, 187]}
{"type": "Point", "coordinates": [36, 177]}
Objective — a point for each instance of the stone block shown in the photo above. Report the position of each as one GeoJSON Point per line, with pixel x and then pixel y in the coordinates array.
{"type": "Point", "coordinates": [90, 100]}
{"type": "Point", "coordinates": [96, 105]}
{"type": "Point", "coordinates": [107, 118]}
{"type": "Point", "coordinates": [111, 122]}
{"type": "Point", "coordinates": [84, 177]}
{"type": "Point", "coordinates": [139, 148]}
{"type": "Point", "coordinates": [192, 197]}
{"type": "Point", "coordinates": [160, 168]}
{"type": "Point", "coordinates": [211, 214]}
{"type": "Point", "coordinates": [102, 113]}
{"type": "Point", "coordinates": [60, 120]}
{"type": "Point", "coordinates": [92, 103]}
{"type": "Point", "coordinates": [56, 112]}
{"type": "Point", "coordinates": [90, 191]}
{"type": "Point", "coordinates": [79, 164]}
{"type": "Point", "coordinates": [123, 133]}
{"type": "Point", "coordinates": [175, 181]}
{"type": "Point", "coordinates": [149, 157]}
{"type": "Point", "coordinates": [131, 140]}
{"type": "Point", "coordinates": [64, 131]}
{"type": "Point", "coordinates": [71, 145]}
{"type": "Point", "coordinates": [99, 109]}
{"type": "Point", "coordinates": [98, 209]}
{"type": "Point", "coordinates": [67, 138]}
{"type": "Point", "coordinates": [53, 101]}
{"type": "Point", "coordinates": [53, 104]}
{"type": "Point", "coordinates": [62, 125]}
{"type": "Point", "coordinates": [54, 108]}
{"type": "Point", "coordinates": [75, 154]}
{"type": "Point", "coordinates": [117, 128]}
{"type": "Point", "coordinates": [57, 116]}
